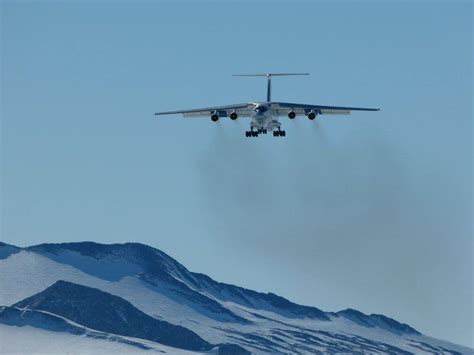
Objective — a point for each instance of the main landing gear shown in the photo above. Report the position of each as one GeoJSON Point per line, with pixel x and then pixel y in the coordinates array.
{"type": "Point", "coordinates": [253, 133]}
{"type": "Point", "coordinates": [279, 133]}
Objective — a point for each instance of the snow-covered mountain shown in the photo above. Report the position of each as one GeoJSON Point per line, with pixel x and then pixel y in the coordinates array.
{"type": "Point", "coordinates": [102, 311]}
{"type": "Point", "coordinates": [133, 295]}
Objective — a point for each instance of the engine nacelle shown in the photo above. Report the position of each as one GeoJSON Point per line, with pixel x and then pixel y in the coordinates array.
{"type": "Point", "coordinates": [233, 116]}
{"type": "Point", "coordinates": [291, 115]}
{"type": "Point", "coordinates": [215, 117]}
{"type": "Point", "coordinates": [312, 115]}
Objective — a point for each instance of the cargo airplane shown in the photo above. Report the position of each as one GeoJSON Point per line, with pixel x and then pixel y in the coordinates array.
{"type": "Point", "coordinates": [264, 115]}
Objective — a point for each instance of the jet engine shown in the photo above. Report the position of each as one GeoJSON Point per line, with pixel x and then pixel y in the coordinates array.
{"type": "Point", "coordinates": [233, 115]}
{"type": "Point", "coordinates": [215, 117]}
{"type": "Point", "coordinates": [312, 115]}
{"type": "Point", "coordinates": [291, 114]}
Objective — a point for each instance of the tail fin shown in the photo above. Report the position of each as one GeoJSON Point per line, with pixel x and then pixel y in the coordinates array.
{"type": "Point", "coordinates": [269, 80]}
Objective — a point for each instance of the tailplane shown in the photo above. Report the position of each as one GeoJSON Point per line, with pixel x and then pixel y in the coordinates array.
{"type": "Point", "coordinates": [269, 80]}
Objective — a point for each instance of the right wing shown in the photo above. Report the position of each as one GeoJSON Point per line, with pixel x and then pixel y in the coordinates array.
{"type": "Point", "coordinates": [243, 110]}
{"type": "Point", "coordinates": [282, 109]}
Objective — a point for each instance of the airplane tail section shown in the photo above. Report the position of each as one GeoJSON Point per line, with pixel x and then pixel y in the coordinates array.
{"type": "Point", "coordinates": [269, 80]}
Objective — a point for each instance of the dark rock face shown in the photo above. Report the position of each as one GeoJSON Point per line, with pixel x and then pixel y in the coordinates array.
{"type": "Point", "coordinates": [394, 325]}
{"type": "Point", "coordinates": [6, 250]}
{"type": "Point", "coordinates": [232, 349]}
{"type": "Point", "coordinates": [102, 311]}
{"type": "Point", "coordinates": [377, 320]}
{"type": "Point", "coordinates": [257, 300]}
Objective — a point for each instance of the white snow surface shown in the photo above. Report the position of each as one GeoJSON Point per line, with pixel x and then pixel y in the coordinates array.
{"type": "Point", "coordinates": [35, 340]}
{"type": "Point", "coordinates": [26, 273]}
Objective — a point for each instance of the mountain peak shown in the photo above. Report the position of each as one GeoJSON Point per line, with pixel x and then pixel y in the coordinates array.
{"type": "Point", "coordinates": [146, 256]}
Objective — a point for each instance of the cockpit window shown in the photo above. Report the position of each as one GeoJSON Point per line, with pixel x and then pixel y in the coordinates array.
{"type": "Point", "coordinates": [261, 108]}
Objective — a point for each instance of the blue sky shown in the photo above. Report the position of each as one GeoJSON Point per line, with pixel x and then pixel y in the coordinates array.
{"type": "Point", "coordinates": [371, 211]}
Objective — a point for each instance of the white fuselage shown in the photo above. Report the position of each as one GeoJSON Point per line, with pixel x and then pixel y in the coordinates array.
{"type": "Point", "coordinates": [263, 119]}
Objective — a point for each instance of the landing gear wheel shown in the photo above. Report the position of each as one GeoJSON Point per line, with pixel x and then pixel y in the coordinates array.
{"type": "Point", "coordinates": [279, 133]}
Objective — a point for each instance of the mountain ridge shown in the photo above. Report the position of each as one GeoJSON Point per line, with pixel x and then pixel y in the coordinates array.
{"type": "Point", "coordinates": [219, 313]}
{"type": "Point", "coordinates": [173, 267]}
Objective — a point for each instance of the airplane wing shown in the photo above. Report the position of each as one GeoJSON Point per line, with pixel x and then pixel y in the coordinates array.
{"type": "Point", "coordinates": [282, 109]}
{"type": "Point", "coordinates": [243, 110]}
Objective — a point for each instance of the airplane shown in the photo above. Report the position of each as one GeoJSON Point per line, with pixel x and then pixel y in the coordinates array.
{"type": "Point", "coordinates": [265, 114]}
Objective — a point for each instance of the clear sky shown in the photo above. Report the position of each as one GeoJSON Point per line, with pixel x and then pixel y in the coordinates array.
{"type": "Point", "coordinates": [371, 211]}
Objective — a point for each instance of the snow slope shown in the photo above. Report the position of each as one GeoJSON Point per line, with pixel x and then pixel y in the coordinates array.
{"type": "Point", "coordinates": [159, 286]}
{"type": "Point", "coordinates": [30, 339]}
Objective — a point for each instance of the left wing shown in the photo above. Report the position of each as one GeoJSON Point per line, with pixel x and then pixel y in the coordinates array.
{"type": "Point", "coordinates": [243, 110]}
{"type": "Point", "coordinates": [282, 109]}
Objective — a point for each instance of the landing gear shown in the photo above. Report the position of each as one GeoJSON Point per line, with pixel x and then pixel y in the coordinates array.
{"type": "Point", "coordinates": [251, 133]}
{"type": "Point", "coordinates": [279, 133]}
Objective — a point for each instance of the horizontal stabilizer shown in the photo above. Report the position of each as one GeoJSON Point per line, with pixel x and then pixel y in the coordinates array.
{"type": "Point", "coordinates": [271, 74]}
{"type": "Point", "coordinates": [269, 81]}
